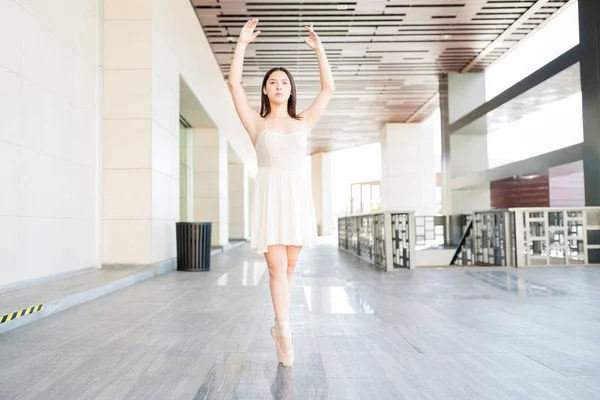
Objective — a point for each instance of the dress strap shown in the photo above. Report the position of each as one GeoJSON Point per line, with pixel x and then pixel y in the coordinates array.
{"type": "Point", "coordinates": [266, 127]}
{"type": "Point", "coordinates": [298, 127]}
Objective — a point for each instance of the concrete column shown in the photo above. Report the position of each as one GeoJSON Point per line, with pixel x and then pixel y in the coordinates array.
{"type": "Point", "coordinates": [238, 202]}
{"type": "Point", "coordinates": [589, 39]}
{"type": "Point", "coordinates": [408, 175]}
{"type": "Point", "coordinates": [140, 140]}
{"type": "Point", "coordinates": [186, 175]}
{"type": "Point", "coordinates": [249, 203]}
{"type": "Point", "coordinates": [210, 183]}
{"type": "Point", "coordinates": [464, 152]}
{"type": "Point", "coordinates": [321, 188]}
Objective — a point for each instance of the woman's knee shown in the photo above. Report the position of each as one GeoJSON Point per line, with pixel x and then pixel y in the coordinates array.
{"type": "Point", "coordinates": [276, 260]}
{"type": "Point", "coordinates": [277, 271]}
{"type": "Point", "coordinates": [291, 266]}
{"type": "Point", "coordinates": [292, 258]}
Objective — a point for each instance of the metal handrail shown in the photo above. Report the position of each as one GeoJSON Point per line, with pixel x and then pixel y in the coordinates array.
{"type": "Point", "coordinates": [462, 242]}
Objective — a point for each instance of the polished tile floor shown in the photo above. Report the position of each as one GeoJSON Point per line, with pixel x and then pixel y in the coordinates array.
{"type": "Point", "coordinates": [452, 333]}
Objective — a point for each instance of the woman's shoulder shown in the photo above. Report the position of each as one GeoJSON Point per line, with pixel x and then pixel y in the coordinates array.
{"type": "Point", "coordinates": [303, 125]}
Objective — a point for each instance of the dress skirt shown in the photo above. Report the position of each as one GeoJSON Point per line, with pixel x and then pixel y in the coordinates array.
{"type": "Point", "coordinates": [283, 211]}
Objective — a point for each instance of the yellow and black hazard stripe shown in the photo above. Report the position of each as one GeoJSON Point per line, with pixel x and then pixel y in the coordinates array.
{"type": "Point", "coordinates": [21, 313]}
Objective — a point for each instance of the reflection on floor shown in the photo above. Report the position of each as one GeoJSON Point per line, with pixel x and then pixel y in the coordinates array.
{"type": "Point", "coordinates": [474, 333]}
{"type": "Point", "coordinates": [512, 283]}
{"type": "Point", "coordinates": [335, 300]}
{"type": "Point", "coordinates": [250, 274]}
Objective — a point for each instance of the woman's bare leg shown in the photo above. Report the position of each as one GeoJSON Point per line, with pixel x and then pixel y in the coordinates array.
{"type": "Point", "coordinates": [276, 258]}
{"type": "Point", "coordinates": [276, 261]}
{"type": "Point", "coordinates": [292, 258]}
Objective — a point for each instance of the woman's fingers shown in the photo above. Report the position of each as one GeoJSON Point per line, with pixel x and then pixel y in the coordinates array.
{"type": "Point", "coordinates": [251, 23]}
{"type": "Point", "coordinates": [310, 29]}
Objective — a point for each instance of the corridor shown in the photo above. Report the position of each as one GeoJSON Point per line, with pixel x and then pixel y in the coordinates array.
{"type": "Point", "coordinates": [455, 333]}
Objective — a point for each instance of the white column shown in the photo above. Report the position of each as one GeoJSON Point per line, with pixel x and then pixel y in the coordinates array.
{"type": "Point", "coordinates": [141, 140]}
{"type": "Point", "coordinates": [238, 202]}
{"type": "Point", "coordinates": [186, 175]}
{"type": "Point", "coordinates": [468, 149]}
{"type": "Point", "coordinates": [249, 203]}
{"type": "Point", "coordinates": [321, 188]}
{"type": "Point", "coordinates": [408, 172]}
{"type": "Point", "coordinates": [210, 183]}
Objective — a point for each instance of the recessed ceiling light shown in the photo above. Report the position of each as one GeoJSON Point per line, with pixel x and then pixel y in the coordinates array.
{"type": "Point", "coordinates": [342, 7]}
{"type": "Point", "coordinates": [447, 36]}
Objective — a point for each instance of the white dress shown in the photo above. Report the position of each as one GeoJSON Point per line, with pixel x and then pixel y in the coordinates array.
{"type": "Point", "coordinates": [283, 209]}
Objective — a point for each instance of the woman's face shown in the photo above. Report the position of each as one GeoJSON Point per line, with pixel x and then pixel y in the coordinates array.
{"type": "Point", "coordinates": [278, 87]}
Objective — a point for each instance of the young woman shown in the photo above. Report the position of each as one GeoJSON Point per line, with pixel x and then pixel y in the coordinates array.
{"type": "Point", "coordinates": [283, 214]}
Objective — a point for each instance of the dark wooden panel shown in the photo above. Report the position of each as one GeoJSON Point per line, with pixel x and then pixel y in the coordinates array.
{"type": "Point", "coordinates": [520, 192]}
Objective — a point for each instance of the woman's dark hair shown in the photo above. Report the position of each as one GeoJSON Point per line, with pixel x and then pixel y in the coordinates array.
{"type": "Point", "coordinates": [265, 105]}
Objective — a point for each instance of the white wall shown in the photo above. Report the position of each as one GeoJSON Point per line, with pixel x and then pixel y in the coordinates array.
{"type": "Point", "coordinates": [238, 202]}
{"type": "Point", "coordinates": [408, 168]}
{"type": "Point", "coordinates": [468, 148]}
{"type": "Point", "coordinates": [345, 171]}
{"type": "Point", "coordinates": [211, 183]}
{"type": "Point", "coordinates": [48, 138]}
{"type": "Point", "coordinates": [154, 45]}
{"type": "Point", "coordinates": [186, 48]}
{"type": "Point", "coordinates": [567, 185]}
{"type": "Point", "coordinates": [141, 139]}
{"type": "Point", "coordinates": [54, 96]}
{"type": "Point", "coordinates": [186, 175]}
{"type": "Point", "coordinates": [182, 47]}
{"type": "Point", "coordinates": [321, 188]}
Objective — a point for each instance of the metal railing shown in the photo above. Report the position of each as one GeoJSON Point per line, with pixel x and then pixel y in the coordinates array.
{"type": "Point", "coordinates": [402, 239]}
{"type": "Point", "coordinates": [464, 251]}
{"type": "Point", "coordinates": [385, 239]}
{"type": "Point", "coordinates": [486, 240]}
{"type": "Point", "coordinates": [440, 230]}
{"type": "Point", "coordinates": [556, 236]}
{"type": "Point", "coordinates": [430, 230]}
{"type": "Point", "coordinates": [491, 234]}
{"type": "Point", "coordinates": [532, 237]}
{"type": "Point", "coordinates": [518, 237]}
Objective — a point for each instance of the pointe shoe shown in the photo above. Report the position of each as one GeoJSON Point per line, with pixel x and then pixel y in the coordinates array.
{"type": "Point", "coordinates": [277, 332]}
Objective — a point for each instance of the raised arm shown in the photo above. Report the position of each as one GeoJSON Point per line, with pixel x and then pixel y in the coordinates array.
{"type": "Point", "coordinates": [250, 118]}
{"type": "Point", "coordinates": [313, 113]}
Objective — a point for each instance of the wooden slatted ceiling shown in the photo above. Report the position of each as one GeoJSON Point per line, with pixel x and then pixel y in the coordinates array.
{"type": "Point", "coordinates": [386, 55]}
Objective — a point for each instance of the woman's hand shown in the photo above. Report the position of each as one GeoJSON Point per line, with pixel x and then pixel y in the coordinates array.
{"type": "Point", "coordinates": [247, 34]}
{"type": "Point", "coordinates": [313, 40]}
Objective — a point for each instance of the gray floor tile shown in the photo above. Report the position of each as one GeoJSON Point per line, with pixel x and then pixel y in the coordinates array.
{"type": "Point", "coordinates": [460, 333]}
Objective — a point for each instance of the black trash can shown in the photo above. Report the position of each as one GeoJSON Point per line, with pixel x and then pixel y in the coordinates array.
{"type": "Point", "coordinates": [193, 245]}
